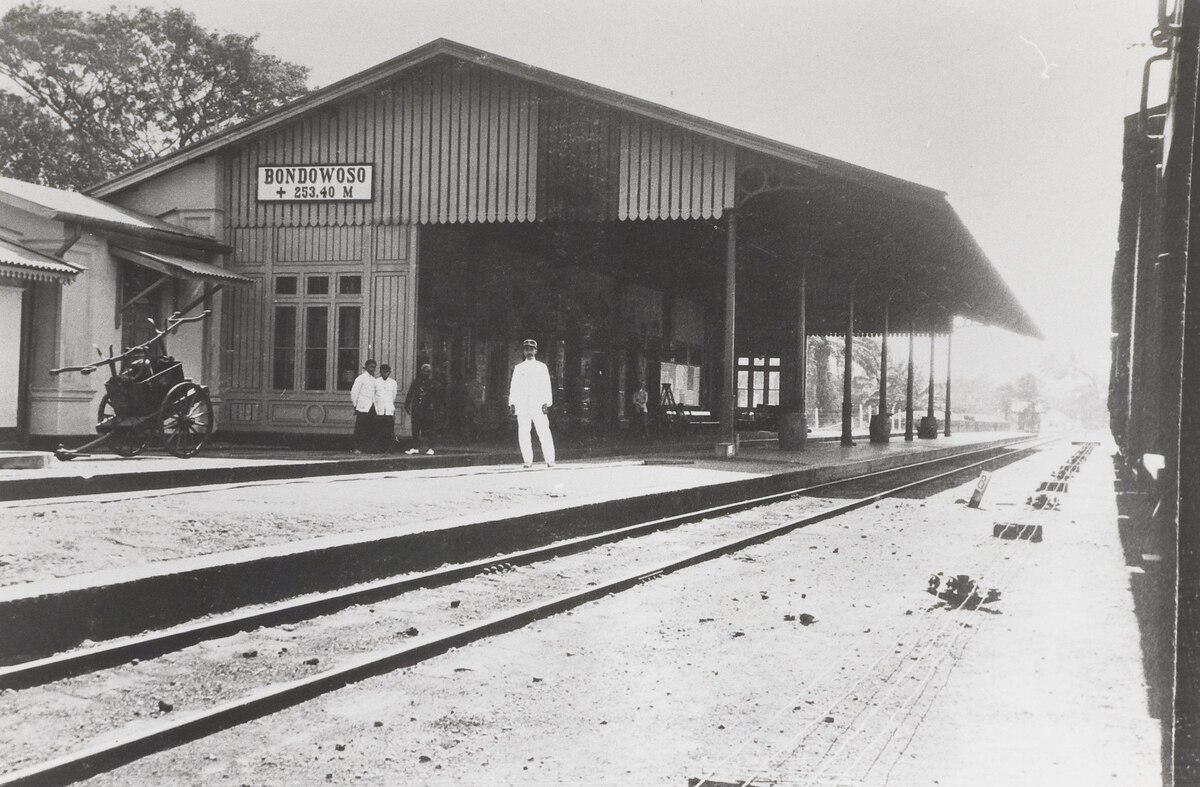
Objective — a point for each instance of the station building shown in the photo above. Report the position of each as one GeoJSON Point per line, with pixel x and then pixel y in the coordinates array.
{"type": "Point", "coordinates": [78, 276]}
{"type": "Point", "coordinates": [445, 204]}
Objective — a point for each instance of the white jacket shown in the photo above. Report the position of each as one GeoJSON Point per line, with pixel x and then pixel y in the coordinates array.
{"type": "Point", "coordinates": [385, 396]}
{"type": "Point", "coordinates": [362, 395]}
{"type": "Point", "coordinates": [530, 387]}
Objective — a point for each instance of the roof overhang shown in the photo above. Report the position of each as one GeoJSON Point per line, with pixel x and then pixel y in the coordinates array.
{"type": "Point", "coordinates": [178, 267]}
{"type": "Point", "coordinates": [22, 262]}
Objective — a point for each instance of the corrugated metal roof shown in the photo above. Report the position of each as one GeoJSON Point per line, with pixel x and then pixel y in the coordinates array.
{"type": "Point", "coordinates": [21, 262]}
{"type": "Point", "coordinates": [446, 48]}
{"type": "Point", "coordinates": [63, 205]}
{"type": "Point", "coordinates": [180, 267]}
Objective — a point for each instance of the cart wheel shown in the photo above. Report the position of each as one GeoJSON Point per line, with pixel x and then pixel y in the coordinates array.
{"type": "Point", "coordinates": [186, 419]}
{"type": "Point", "coordinates": [123, 440]}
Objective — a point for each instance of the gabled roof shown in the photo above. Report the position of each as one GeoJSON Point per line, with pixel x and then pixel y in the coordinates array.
{"type": "Point", "coordinates": [75, 208]}
{"type": "Point", "coordinates": [445, 48]}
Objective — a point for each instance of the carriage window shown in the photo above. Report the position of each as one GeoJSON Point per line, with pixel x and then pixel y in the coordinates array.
{"type": "Point", "coordinates": [317, 285]}
{"type": "Point", "coordinates": [285, 285]}
{"type": "Point", "coordinates": [349, 322]}
{"type": "Point", "coordinates": [283, 359]}
{"type": "Point", "coordinates": [349, 285]}
{"type": "Point", "coordinates": [316, 347]}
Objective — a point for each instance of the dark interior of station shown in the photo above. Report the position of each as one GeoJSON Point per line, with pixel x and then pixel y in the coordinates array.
{"type": "Point", "coordinates": [572, 286]}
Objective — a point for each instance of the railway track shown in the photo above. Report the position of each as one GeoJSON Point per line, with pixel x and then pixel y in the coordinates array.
{"type": "Point", "coordinates": [721, 531]}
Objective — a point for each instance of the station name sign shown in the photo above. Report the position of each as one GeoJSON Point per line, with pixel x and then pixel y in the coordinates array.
{"type": "Point", "coordinates": [316, 183]}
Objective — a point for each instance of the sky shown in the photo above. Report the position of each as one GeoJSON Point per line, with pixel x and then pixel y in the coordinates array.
{"type": "Point", "coordinates": [1013, 108]}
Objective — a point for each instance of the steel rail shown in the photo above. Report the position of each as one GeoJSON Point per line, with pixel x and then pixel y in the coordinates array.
{"type": "Point", "coordinates": [187, 727]}
{"type": "Point", "coordinates": [156, 643]}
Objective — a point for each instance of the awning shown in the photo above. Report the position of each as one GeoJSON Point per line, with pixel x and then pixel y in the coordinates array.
{"type": "Point", "coordinates": [20, 262]}
{"type": "Point", "coordinates": [179, 267]}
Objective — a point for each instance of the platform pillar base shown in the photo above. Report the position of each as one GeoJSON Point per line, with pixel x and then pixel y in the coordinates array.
{"type": "Point", "coordinates": [928, 428]}
{"type": "Point", "coordinates": [881, 428]}
{"type": "Point", "coordinates": [793, 431]}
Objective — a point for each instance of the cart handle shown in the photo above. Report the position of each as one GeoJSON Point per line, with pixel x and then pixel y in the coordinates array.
{"type": "Point", "coordinates": [173, 323]}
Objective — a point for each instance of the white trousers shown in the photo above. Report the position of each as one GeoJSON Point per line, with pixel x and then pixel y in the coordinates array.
{"type": "Point", "coordinates": [540, 422]}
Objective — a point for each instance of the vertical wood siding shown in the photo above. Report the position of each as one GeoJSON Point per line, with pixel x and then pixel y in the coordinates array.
{"type": "Point", "coordinates": [456, 142]}
{"type": "Point", "coordinates": [449, 143]}
{"type": "Point", "coordinates": [388, 333]}
{"type": "Point", "coordinates": [243, 348]}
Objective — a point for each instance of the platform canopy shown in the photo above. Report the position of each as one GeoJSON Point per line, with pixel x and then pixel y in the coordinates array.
{"type": "Point", "coordinates": [457, 135]}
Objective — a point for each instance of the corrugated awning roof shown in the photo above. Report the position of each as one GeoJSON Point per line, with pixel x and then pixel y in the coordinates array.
{"type": "Point", "coordinates": [73, 207]}
{"type": "Point", "coordinates": [179, 267]}
{"type": "Point", "coordinates": [21, 262]}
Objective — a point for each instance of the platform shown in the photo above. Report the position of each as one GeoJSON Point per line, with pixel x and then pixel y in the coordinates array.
{"type": "Point", "coordinates": [164, 556]}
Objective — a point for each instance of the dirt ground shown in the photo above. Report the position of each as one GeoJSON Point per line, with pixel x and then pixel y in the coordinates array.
{"type": "Point", "coordinates": [74, 536]}
{"type": "Point", "coordinates": [714, 670]}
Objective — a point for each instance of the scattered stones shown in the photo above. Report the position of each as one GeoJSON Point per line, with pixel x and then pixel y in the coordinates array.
{"type": "Point", "coordinates": [249, 654]}
{"type": "Point", "coordinates": [314, 661]}
{"type": "Point", "coordinates": [411, 631]}
{"type": "Point", "coordinates": [165, 707]}
{"type": "Point", "coordinates": [424, 758]}
{"type": "Point", "coordinates": [288, 627]}
{"type": "Point", "coordinates": [806, 619]}
{"type": "Point", "coordinates": [378, 724]}
{"type": "Point", "coordinates": [135, 662]}
{"type": "Point", "coordinates": [537, 680]}
{"type": "Point", "coordinates": [739, 634]}
{"type": "Point", "coordinates": [454, 604]}
{"type": "Point", "coordinates": [829, 720]}
{"type": "Point", "coordinates": [340, 746]}
{"type": "Point", "coordinates": [789, 618]}
{"type": "Point", "coordinates": [706, 620]}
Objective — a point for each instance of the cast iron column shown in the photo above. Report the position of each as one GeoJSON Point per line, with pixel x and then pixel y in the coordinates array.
{"type": "Point", "coordinates": [928, 428]}
{"type": "Point", "coordinates": [908, 402]}
{"type": "Point", "coordinates": [729, 390]}
{"type": "Point", "coordinates": [847, 408]}
{"type": "Point", "coordinates": [949, 333]}
{"type": "Point", "coordinates": [793, 425]}
{"type": "Point", "coordinates": [881, 423]}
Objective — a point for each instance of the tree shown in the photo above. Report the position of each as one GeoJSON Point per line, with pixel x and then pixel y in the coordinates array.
{"type": "Point", "coordinates": [123, 87]}
{"type": "Point", "coordinates": [35, 147]}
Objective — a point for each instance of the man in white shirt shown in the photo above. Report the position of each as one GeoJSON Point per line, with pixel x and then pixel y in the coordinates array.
{"type": "Point", "coordinates": [529, 399]}
{"type": "Point", "coordinates": [385, 408]}
{"type": "Point", "coordinates": [362, 395]}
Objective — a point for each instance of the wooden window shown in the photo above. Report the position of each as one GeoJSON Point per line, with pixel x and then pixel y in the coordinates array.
{"type": "Point", "coordinates": [348, 337]}
{"type": "Point", "coordinates": [142, 302]}
{"type": "Point", "coordinates": [283, 359]}
{"type": "Point", "coordinates": [318, 334]}
{"type": "Point", "coordinates": [758, 381]}
{"type": "Point", "coordinates": [316, 347]}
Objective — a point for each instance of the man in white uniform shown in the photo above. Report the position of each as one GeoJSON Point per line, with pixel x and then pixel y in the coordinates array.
{"type": "Point", "coordinates": [529, 398]}
{"type": "Point", "coordinates": [362, 395]}
{"type": "Point", "coordinates": [385, 408]}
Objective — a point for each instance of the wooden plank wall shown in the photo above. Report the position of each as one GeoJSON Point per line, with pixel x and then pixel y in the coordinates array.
{"type": "Point", "coordinates": [243, 309]}
{"type": "Point", "coordinates": [455, 142]}
{"type": "Point", "coordinates": [450, 143]}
